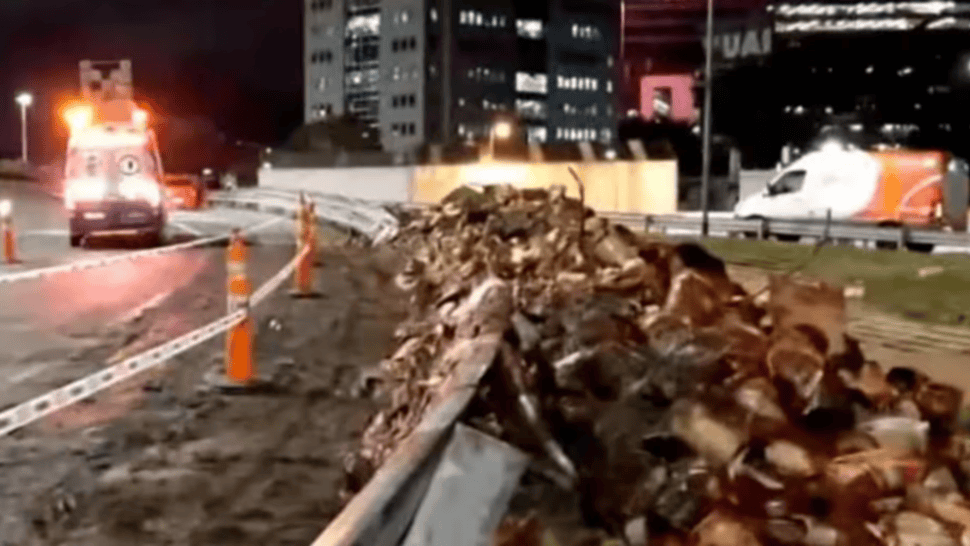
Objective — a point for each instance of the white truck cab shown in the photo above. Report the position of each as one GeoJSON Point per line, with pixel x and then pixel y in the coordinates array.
{"type": "Point", "coordinates": [841, 180]}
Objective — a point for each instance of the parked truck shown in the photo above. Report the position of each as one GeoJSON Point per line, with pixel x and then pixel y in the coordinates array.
{"type": "Point", "coordinates": [926, 189]}
{"type": "Point", "coordinates": [113, 176]}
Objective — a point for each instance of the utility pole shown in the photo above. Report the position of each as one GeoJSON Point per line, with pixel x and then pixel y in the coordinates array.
{"type": "Point", "coordinates": [706, 144]}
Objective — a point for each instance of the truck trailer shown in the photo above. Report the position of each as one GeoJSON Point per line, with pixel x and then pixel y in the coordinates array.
{"type": "Point", "coordinates": [925, 189]}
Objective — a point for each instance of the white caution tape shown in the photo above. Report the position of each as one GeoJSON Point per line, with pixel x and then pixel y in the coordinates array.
{"type": "Point", "coordinates": [269, 286]}
{"type": "Point", "coordinates": [26, 413]}
{"type": "Point", "coordinates": [58, 399]}
{"type": "Point", "coordinates": [34, 274]}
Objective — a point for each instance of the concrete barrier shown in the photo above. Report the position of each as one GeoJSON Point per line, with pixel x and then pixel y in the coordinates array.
{"type": "Point", "coordinates": [646, 187]}
{"type": "Point", "coordinates": [369, 183]}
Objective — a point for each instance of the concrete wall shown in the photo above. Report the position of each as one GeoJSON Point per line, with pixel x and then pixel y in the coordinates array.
{"type": "Point", "coordinates": [648, 187]}
{"type": "Point", "coordinates": [372, 183]}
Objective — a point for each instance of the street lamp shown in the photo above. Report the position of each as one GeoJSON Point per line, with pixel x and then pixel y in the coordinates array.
{"type": "Point", "coordinates": [501, 130]}
{"type": "Point", "coordinates": [24, 100]}
{"type": "Point", "coordinates": [706, 144]}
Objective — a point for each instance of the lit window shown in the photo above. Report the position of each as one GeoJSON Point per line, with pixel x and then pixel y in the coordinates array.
{"type": "Point", "coordinates": [461, 101]}
{"type": "Point", "coordinates": [479, 19]}
{"type": "Point", "coordinates": [415, 74]}
{"type": "Point", "coordinates": [396, 74]}
{"type": "Point", "coordinates": [575, 31]}
{"type": "Point", "coordinates": [322, 84]}
{"type": "Point", "coordinates": [433, 14]}
{"type": "Point", "coordinates": [461, 129]}
{"type": "Point", "coordinates": [596, 84]}
{"type": "Point", "coordinates": [463, 17]}
{"type": "Point", "coordinates": [609, 86]}
{"type": "Point", "coordinates": [405, 16]}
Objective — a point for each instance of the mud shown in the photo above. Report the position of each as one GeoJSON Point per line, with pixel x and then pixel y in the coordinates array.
{"type": "Point", "coordinates": [169, 462]}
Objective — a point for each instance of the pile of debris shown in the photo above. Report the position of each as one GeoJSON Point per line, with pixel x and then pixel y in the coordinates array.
{"type": "Point", "coordinates": [680, 408]}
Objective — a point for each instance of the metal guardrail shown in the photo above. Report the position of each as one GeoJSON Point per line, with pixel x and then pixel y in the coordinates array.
{"type": "Point", "coordinates": [764, 228]}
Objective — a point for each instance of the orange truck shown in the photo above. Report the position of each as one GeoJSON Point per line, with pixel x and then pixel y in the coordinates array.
{"type": "Point", "coordinates": [927, 189]}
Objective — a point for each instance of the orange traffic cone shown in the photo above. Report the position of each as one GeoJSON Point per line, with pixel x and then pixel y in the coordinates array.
{"type": "Point", "coordinates": [236, 255]}
{"type": "Point", "coordinates": [9, 237]}
{"type": "Point", "coordinates": [9, 243]}
{"type": "Point", "coordinates": [313, 234]}
{"type": "Point", "coordinates": [306, 251]}
{"type": "Point", "coordinates": [239, 339]}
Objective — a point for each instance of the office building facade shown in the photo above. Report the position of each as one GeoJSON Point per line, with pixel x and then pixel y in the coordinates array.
{"type": "Point", "coordinates": [443, 70]}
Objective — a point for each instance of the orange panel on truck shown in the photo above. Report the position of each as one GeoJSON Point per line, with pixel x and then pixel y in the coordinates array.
{"type": "Point", "coordinates": [910, 187]}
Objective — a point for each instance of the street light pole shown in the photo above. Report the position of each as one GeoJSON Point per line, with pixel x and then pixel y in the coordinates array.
{"type": "Point", "coordinates": [706, 144]}
{"type": "Point", "coordinates": [24, 100]}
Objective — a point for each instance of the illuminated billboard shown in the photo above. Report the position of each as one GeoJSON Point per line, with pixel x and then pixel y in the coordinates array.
{"type": "Point", "coordinates": [818, 18]}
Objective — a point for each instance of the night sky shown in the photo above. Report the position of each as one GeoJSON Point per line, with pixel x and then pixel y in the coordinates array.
{"type": "Point", "coordinates": [236, 62]}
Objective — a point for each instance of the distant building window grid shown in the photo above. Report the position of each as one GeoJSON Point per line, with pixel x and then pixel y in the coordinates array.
{"type": "Point", "coordinates": [591, 110]}
{"type": "Point", "coordinates": [321, 5]}
{"type": "Point", "coordinates": [489, 105]}
{"type": "Point", "coordinates": [321, 56]}
{"type": "Point", "coordinates": [474, 18]}
{"type": "Point", "coordinates": [483, 74]}
{"type": "Point", "coordinates": [579, 83]}
{"type": "Point", "coordinates": [403, 129]}
{"type": "Point", "coordinates": [321, 110]}
{"type": "Point", "coordinates": [404, 44]}
{"type": "Point", "coordinates": [530, 29]}
{"type": "Point", "coordinates": [586, 32]}
{"type": "Point", "coordinates": [402, 17]}
{"type": "Point", "coordinates": [404, 101]}
{"type": "Point", "coordinates": [581, 134]}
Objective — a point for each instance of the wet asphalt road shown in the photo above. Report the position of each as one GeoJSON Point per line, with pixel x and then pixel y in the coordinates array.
{"type": "Point", "coordinates": [57, 329]}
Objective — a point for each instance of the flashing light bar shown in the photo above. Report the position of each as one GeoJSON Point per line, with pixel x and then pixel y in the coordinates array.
{"type": "Point", "coordinates": [140, 118]}
{"type": "Point", "coordinates": [79, 117]}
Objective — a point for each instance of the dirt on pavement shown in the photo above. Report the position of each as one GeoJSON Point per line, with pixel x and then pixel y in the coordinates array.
{"type": "Point", "coordinates": [195, 467]}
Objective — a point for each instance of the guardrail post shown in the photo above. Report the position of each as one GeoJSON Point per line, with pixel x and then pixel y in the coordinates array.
{"type": "Point", "coordinates": [828, 226]}
{"type": "Point", "coordinates": [901, 239]}
{"type": "Point", "coordinates": [647, 223]}
{"type": "Point", "coordinates": [762, 229]}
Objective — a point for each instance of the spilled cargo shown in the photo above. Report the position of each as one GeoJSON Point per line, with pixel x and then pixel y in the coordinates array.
{"type": "Point", "coordinates": [660, 402]}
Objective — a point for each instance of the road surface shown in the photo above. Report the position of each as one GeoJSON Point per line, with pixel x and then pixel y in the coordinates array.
{"type": "Point", "coordinates": [61, 327]}
{"type": "Point", "coordinates": [57, 487]}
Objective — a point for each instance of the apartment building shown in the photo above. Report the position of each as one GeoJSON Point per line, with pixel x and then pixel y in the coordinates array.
{"type": "Point", "coordinates": [439, 70]}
